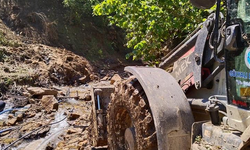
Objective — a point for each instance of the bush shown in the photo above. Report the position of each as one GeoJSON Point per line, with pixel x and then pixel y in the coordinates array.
{"type": "Point", "coordinates": [151, 24]}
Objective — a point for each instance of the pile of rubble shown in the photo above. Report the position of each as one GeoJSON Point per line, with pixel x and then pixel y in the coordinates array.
{"type": "Point", "coordinates": [34, 111]}
{"type": "Point", "coordinates": [48, 118]}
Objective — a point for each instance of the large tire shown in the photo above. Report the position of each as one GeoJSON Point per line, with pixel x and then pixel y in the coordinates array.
{"type": "Point", "coordinates": [129, 109]}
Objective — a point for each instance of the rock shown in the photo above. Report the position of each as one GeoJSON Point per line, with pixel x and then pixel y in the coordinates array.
{"type": "Point", "coordinates": [73, 140]}
{"type": "Point", "coordinates": [20, 101]}
{"type": "Point", "coordinates": [20, 117]}
{"type": "Point", "coordinates": [87, 97]}
{"type": "Point", "coordinates": [26, 94]}
{"type": "Point", "coordinates": [85, 142]}
{"type": "Point", "coordinates": [30, 114]}
{"type": "Point", "coordinates": [105, 78]}
{"type": "Point", "coordinates": [12, 121]}
{"type": "Point", "coordinates": [11, 116]}
{"type": "Point", "coordinates": [115, 78]}
{"type": "Point", "coordinates": [2, 123]}
{"type": "Point", "coordinates": [38, 91]}
{"type": "Point", "coordinates": [93, 77]}
{"type": "Point", "coordinates": [32, 101]}
{"type": "Point", "coordinates": [28, 106]}
{"type": "Point", "coordinates": [82, 145]}
{"type": "Point", "coordinates": [73, 116]}
{"type": "Point", "coordinates": [49, 102]}
{"type": "Point", "coordinates": [61, 93]}
{"type": "Point", "coordinates": [83, 79]}
{"type": "Point", "coordinates": [74, 130]}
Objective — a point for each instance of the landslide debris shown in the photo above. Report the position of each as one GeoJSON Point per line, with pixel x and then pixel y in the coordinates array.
{"type": "Point", "coordinates": [41, 65]}
{"type": "Point", "coordinates": [51, 121]}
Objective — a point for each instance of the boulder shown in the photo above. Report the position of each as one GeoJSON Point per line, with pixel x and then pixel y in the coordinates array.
{"type": "Point", "coordinates": [38, 91]}
{"type": "Point", "coordinates": [115, 78]}
{"type": "Point", "coordinates": [49, 102]}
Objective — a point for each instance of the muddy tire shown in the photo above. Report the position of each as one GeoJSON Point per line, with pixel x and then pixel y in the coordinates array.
{"type": "Point", "coordinates": [129, 111]}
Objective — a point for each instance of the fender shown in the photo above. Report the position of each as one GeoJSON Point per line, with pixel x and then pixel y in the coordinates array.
{"type": "Point", "coordinates": [171, 111]}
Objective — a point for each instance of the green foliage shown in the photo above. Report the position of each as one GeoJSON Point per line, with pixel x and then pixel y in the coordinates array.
{"type": "Point", "coordinates": [3, 40]}
{"type": "Point", "coordinates": [2, 55]}
{"type": "Point", "coordinates": [79, 8]}
{"type": "Point", "coordinates": [6, 42]}
{"type": "Point", "coordinates": [151, 24]}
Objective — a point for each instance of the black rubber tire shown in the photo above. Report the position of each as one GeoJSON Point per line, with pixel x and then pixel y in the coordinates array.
{"type": "Point", "coordinates": [129, 108]}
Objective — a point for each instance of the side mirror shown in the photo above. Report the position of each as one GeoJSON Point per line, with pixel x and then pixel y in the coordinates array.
{"type": "Point", "coordinates": [203, 4]}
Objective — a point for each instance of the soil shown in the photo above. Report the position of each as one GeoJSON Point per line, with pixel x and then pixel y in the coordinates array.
{"type": "Point", "coordinates": [39, 47]}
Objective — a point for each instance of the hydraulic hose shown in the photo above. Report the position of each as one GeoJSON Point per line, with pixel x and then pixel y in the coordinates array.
{"type": "Point", "coordinates": [8, 110]}
{"type": "Point", "coordinates": [5, 130]}
{"type": "Point", "coordinates": [32, 132]}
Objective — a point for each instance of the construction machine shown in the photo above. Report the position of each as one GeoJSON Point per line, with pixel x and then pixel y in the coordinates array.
{"type": "Point", "coordinates": [203, 103]}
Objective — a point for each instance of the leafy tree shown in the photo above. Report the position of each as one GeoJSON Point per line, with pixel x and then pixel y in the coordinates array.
{"type": "Point", "coordinates": [151, 24]}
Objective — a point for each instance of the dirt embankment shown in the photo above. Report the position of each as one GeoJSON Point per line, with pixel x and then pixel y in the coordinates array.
{"type": "Point", "coordinates": [50, 23]}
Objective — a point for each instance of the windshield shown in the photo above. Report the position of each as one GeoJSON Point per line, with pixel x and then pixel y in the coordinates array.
{"type": "Point", "coordinates": [238, 62]}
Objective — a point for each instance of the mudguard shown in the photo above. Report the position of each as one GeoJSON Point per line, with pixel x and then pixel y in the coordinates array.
{"type": "Point", "coordinates": [171, 111]}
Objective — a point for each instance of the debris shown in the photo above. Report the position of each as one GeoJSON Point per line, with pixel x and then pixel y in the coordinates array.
{"type": "Point", "coordinates": [12, 121]}
{"type": "Point", "coordinates": [87, 97]}
{"type": "Point", "coordinates": [26, 94]}
{"type": "Point", "coordinates": [49, 103]}
{"type": "Point", "coordinates": [67, 97]}
{"type": "Point", "coordinates": [30, 114]}
{"type": "Point", "coordinates": [83, 79]}
{"type": "Point", "coordinates": [74, 130]}
{"type": "Point", "coordinates": [10, 116]}
{"type": "Point", "coordinates": [20, 117]}
{"type": "Point", "coordinates": [38, 91]}
{"type": "Point", "coordinates": [74, 115]}
{"type": "Point", "coordinates": [105, 78]}
{"type": "Point", "coordinates": [32, 101]}
{"type": "Point", "coordinates": [115, 78]}
{"type": "Point", "coordinates": [93, 77]}
{"type": "Point", "coordinates": [84, 143]}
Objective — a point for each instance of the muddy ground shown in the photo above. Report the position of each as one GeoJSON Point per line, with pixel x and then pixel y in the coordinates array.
{"type": "Point", "coordinates": [47, 118]}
